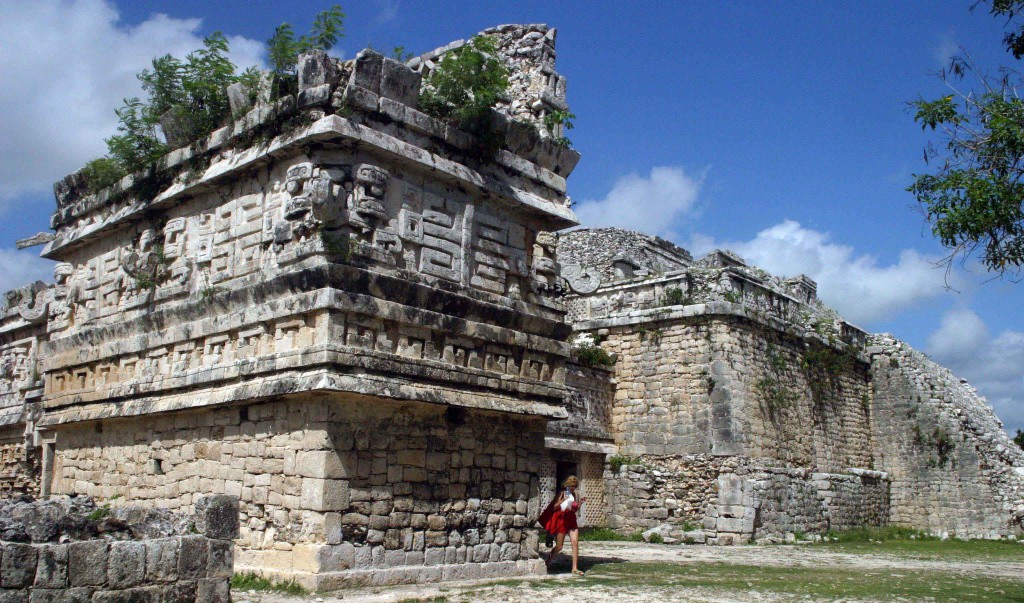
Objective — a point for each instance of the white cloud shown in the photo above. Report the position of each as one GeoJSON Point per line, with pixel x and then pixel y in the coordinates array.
{"type": "Point", "coordinates": [66, 65]}
{"type": "Point", "coordinates": [946, 50]}
{"type": "Point", "coordinates": [857, 286]}
{"type": "Point", "coordinates": [649, 204]}
{"type": "Point", "coordinates": [388, 10]}
{"type": "Point", "coordinates": [994, 365]}
{"type": "Point", "coordinates": [19, 268]}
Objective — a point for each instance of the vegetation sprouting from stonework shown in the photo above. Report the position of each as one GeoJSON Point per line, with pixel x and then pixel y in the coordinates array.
{"type": "Point", "coordinates": [284, 48]}
{"type": "Point", "coordinates": [187, 99]}
{"type": "Point", "coordinates": [587, 350]}
{"type": "Point", "coordinates": [248, 581]}
{"type": "Point", "coordinates": [824, 366]}
{"type": "Point", "coordinates": [674, 296]}
{"type": "Point", "coordinates": [563, 119]}
{"type": "Point", "coordinates": [464, 89]}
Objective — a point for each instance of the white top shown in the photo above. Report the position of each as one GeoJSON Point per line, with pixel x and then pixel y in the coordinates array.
{"type": "Point", "coordinates": [567, 501]}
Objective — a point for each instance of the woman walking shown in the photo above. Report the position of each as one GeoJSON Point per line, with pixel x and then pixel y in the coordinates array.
{"type": "Point", "coordinates": [559, 519]}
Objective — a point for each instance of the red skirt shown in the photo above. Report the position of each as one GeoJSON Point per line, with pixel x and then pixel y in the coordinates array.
{"type": "Point", "coordinates": [556, 521]}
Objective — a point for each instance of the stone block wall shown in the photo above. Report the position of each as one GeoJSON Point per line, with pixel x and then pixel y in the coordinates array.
{"type": "Point", "coordinates": [334, 491]}
{"type": "Point", "coordinates": [954, 470]}
{"type": "Point", "coordinates": [121, 566]}
{"type": "Point", "coordinates": [724, 385]}
{"type": "Point", "coordinates": [731, 500]}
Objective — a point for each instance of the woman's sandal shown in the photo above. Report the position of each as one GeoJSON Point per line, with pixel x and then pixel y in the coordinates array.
{"type": "Point", "coordinates": [578, 572]}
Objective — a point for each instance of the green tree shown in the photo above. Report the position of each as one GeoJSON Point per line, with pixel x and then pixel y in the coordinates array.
{"type": "Point", "coordinates": [465, 87]}
{"type": "Point", "coordinates": [973, 196]}
{"type": "Point", "coordinates": [1019, 438]}
{"type": "Point", "coordinates": [284, 48]}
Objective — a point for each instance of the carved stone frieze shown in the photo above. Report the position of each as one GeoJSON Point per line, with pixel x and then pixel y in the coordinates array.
{"type": "Point", "coordinates": [581, 279]}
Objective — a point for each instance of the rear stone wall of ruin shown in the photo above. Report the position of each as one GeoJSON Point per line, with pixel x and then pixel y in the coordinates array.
{"type": "Point", "coordinates": [730, 431]}
{"type": "Point", "coordinates": [333, 492]}
{"type": "Point", "coordinates": [953, 468]}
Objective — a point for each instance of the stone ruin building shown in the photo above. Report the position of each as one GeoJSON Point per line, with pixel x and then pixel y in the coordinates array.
{"type": "Point", "coordinates": [335, 310]}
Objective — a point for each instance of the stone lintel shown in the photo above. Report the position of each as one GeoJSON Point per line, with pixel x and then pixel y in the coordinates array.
{"type": "Point", "coordinates": [317, 382]}
{"type": "Point", "coordinates": [580, 444]}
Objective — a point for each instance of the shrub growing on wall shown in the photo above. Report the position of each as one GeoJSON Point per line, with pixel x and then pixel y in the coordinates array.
{"type": "Point", "coordinates": [465, 87]}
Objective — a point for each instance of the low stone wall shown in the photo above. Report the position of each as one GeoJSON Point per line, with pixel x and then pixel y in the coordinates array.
{"type": "Point", "coordinates": [732, 500]}
{"type": "Point", "coordinates": [117, 561]}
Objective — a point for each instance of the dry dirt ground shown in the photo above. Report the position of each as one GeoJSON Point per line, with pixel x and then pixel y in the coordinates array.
{"type": "Point", "coordinates": [639, 572]}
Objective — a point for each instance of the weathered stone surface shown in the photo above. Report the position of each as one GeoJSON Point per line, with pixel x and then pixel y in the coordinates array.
{"type": "Point", "coordinates": [18, 565]}
{"type": "Point", "coordinates": [193, 556]}
{"type": "Point", "coordinates": [217, 516]}
{"type": "Point", "coordinates": [315, 68]}
{"type": "Point", "coordinates": [126, 564]}
{"type": "Point", "coordinates": [87, 563]}
{"type": "Point", "coordinates": [52, 568]}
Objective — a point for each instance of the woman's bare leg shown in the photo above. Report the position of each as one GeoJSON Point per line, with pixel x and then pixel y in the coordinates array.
{"type": "Point", "coordinates": [574, 538]}
{"type": "Point", "coordinates": [559, 540]}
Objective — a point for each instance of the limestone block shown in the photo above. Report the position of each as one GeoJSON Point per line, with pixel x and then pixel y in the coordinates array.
{"type": "Point", "coordinates": [52, 570]}
{"type": "Point", "coordinates": [238, 99]}
{"type": "Point", "coordinates": [184, 591]}
{"type": "Point", "coordinates": [126, 566]}
{"type": "Point", "coordinates": [325, 494]}
{"type": "Point", "coordinates": [314, 96]}
{"type": "Point", "coordinates": [399, 82]}
{"type": "Point", "coordinates": [221, 560]}
{"type": "Point", "coordinates": [61, 595]}
{"type": "Point", "coordinates": [87, 563]}
{"type": "Point", "coordinates": [315, 68]}
{"type": "Point", "coordinates": [366, 72]}
{"type": "Point", "coordinates": [325, 464]}
{"type": "Point", "coordinates": [217, 516]}
{"type": "Point", "coordinates": [162, 559]}
{"type": "Point", "coordinates": [213, 590]}
{"type": "Point", "coordinates": [18, 565]}
{"type": "Point", "coordinates": [192, 557]}
{"type": "Point", "coordinates": [334, 558]}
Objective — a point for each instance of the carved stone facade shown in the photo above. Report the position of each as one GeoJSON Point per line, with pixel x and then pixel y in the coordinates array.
{"type": "Point", "coordinates": [337, 311]}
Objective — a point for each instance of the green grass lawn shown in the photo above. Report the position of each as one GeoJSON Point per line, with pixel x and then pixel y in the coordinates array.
{"type": "Point", "coordinates": [950, 550]}
{"type": "Point", "coordinates": [830, 583]}
{"type": "Point", "coordinates": [917, 545]}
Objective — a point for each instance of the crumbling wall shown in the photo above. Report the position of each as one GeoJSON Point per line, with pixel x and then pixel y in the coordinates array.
{"type": "Point", "coordinates": [70, 550]}
{"type": "Point", "coordinates": [598, 249]}
{"type": "Point", "coordinates": [735, 499]}
{"type": "Point", "coordinates": [334, 492]}
{"type": "Point", "coordinates": [953, 468]}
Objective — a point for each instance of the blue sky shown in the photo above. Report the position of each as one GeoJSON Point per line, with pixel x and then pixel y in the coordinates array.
{"type": "Point", "coordinates": [777, 129]}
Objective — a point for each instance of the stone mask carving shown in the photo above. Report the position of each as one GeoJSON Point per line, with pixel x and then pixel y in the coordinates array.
{"type": "Point", "coordinates": [371, 186]}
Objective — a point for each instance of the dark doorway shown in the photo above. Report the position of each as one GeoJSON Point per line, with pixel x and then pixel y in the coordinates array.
{"type": "Point", "coordinates": [564, 469]}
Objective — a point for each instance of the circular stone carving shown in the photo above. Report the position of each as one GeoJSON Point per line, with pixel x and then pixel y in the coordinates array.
{"type": "Point", "coordinates": [581, 279]}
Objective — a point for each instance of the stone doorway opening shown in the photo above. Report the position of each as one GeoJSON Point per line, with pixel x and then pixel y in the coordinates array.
{"type": "Point", "coordinates": [563, 469]}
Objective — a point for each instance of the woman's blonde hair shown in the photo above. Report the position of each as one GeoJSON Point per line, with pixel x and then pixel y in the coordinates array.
{"type": "Point", "coordinates": [571, 482]}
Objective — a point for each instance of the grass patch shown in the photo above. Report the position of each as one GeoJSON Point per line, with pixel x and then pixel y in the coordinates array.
{"type": "Point", "coordinates": [833, 583]}
{"type": "Point", "coordinates": [608, 534]}
{"type": "Point", "coordinates": [251, 581]}
{"type": "Point", "coordinates": [875, 534]}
